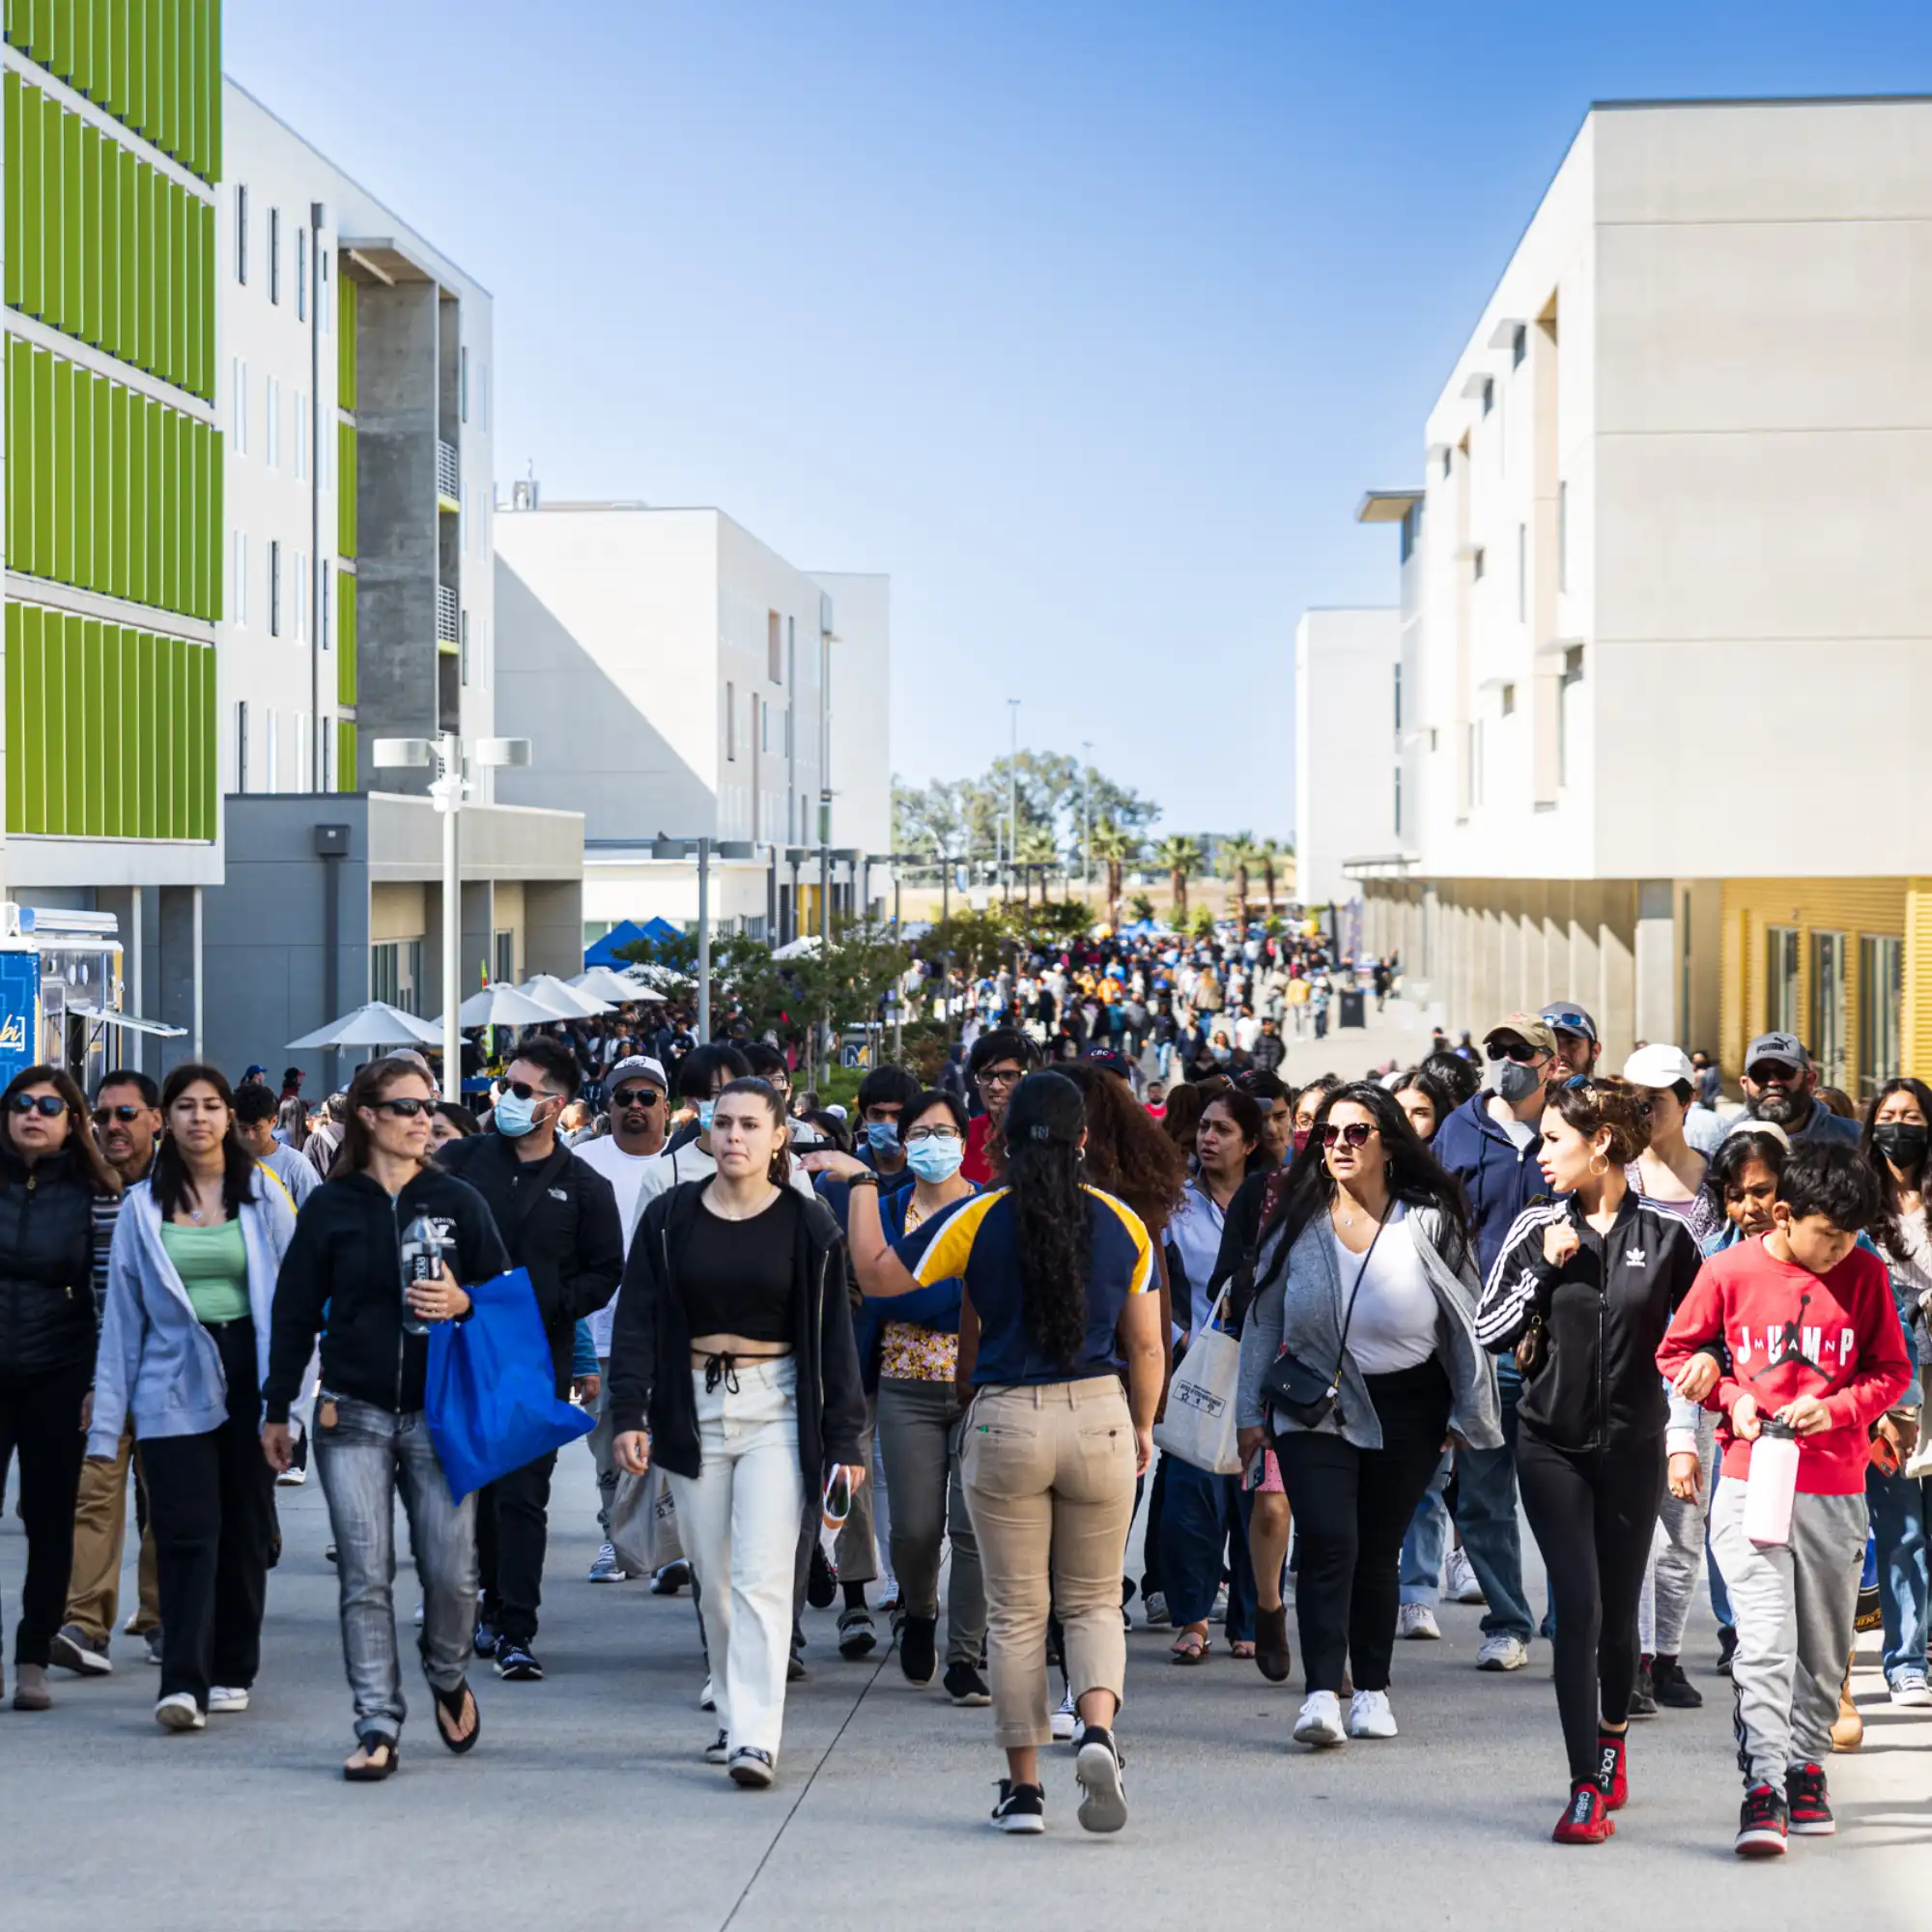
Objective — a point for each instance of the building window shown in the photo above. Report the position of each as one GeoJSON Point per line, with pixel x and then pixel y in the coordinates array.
{"type": "Point", "coordinates": [272, 427]}
{"type": "Point", "coordinates": [463, 384]}
{"type": "Point", "coordinates": [301, 275]}
{"type": "Point", "coordinates": [731, 720]}
{"type": "Point", "coordinates": [237, 407]}
{"type": "Point", "coordinates": [1398, 698]}
{"type": "Point", "coordinates": [1831, 1046]}
{"type": "Point", "coordinates": [506, 956]}
{"type": "Point", "coordinates": [240, 232]}
{"type": "Point", "coordinates": [1563, 536]}
{"type": "Point", "coordinates": [275, 588]}
{"type": "Point", "coordinates": [242, 745]}
{"type": "Point", "coordinates": [1509, 701]}
{"type": "Point", "coordinates": [1518, 346]}
{"type": "Point", "coordinates": [1397, 801]}
{"type": "Point", "coordinates": [1522, 573]}
{"type": "Point", "coordinates": [774, 649]}
{"type": "Point", "coordinates": [276, 255]}
{"type": "Point", "coordinates": [1780, 980]}
{"type": "Point", "coordinates": [1881, 1005]}
{"type": "Point", "coordinates": [239, 601]}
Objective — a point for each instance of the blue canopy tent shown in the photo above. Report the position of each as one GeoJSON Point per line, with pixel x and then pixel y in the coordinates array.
{"type": "Point", "coordinates": [627, 933]}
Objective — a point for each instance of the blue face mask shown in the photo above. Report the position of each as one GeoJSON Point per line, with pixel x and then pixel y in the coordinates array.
{"type": "Point", "coordinates": [704, 1111]}
{"type": "Point", "coordinates": [935, 1160]}
{"type": "Point", "coordinates": [882, 1136]}
{"type": "Point", "coordinates": [515, 1117]}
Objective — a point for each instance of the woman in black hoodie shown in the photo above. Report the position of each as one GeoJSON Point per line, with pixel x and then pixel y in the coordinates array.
{"type": "Point", "coordinates": [58, 1201]}
{"type": "Point", "coordinates": [732, 1344]}
{"type": "Point", "coordinates": [343, 1277]}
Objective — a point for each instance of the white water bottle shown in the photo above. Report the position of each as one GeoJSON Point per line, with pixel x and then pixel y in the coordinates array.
{"type": "Point", "coordinates": [1771, 1487]}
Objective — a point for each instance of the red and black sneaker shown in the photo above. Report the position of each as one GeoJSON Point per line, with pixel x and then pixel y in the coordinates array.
{"type": "Point", "coordinates": [1761, 1824]}
{"type": "Point", "coordinates": [1807, 1802]}
{"type": "Point", "coordinates": [1586, 1819]}
{"type": "Point", "coordinates": [1612, 1776]}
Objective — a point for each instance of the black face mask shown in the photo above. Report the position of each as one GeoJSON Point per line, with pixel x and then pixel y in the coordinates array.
{"type": "Point", "coordinates": [1901, 1143]}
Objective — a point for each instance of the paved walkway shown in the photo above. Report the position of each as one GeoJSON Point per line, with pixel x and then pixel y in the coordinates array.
{"type": "Point", "coordinates": [585, 1805]}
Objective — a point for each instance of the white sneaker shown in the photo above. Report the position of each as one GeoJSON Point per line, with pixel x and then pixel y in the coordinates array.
{"type": "Point", "coordinates": [293, 1477]}
{"type": "Point", "coordinates": [1219, 1613]}
{"type": "Point", "coordinates": [1460, 1583]}
{"type": "Point", "coordinates": [1502, 1653]}
{"type": "Point", "coordinates": [1911, 1688]}
{"type": "Point", "coordinates": [1321, 1720]}
{"type": "Point", "coordinates": [705, 1701]}
{"type": "Point", "coordinates": [1066, 1720]}
{"type": "Point", "coordinates": [1416, 1621]}
{"type": "Point", "coordinates": [1370, 1714]}
{"type": "Point", "coordinates": [222, 1698]}
{"type": "Point", "coordinates": [420, 1610]}
{"type": "Point", "coordinates": [180, 1713]}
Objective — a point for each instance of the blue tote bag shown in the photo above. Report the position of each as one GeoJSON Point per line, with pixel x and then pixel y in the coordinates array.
{"type": "Point", "coordinates": [490, 1396]}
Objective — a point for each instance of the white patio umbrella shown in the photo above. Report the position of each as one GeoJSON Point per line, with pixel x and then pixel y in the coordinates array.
{"type": "Point", "coordinates": [802, 948]}
{"type": "Point", "coordinates": [602, 983]}
{"type": "Point", "coordinates": [566, 1003]}
{"type": "Point", "coordinates": [378, 1024]}
{"type": "Point", "coordinates": [502, 1005]}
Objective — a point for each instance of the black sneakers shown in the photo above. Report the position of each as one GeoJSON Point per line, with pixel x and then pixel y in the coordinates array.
{"type": "Point", "coordinates": [1643, 1694]}
{"type": "Point", "coordinates": [514, 1663]}
{"type": "Point", "coordinates": [1673, 1690]}
{"type": "Point", "coordinates": [1103, 1802]}
{"type": "Point", "coordinates": [750, 1768]}
{"type": "Point", "coordinates": [1806, 1802]}
{"type": "Point", "coordinates": [1022, 1807]}
{"type": "Point", "coordinates": [1761, 1824]}
{"type": "Point", "coordinates": [716, 1751]}
{"type": "Point", "coordinates": [965, 1686]}
{"type": "Point", "coordinates": [918, 1658]}
{"type": "Point", "coordinates": [1727, 1647]}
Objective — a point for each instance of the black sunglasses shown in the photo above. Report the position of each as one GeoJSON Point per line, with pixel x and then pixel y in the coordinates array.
{"type": "Point", "coordinates": [1518, 1050]}
{"type": "Point", "coordinates": [1357, 1133]}
{"type": "Point", "coordinates": [49, 1104]}
{"type": "Point", "coordinates": [404, 1106]}
{"type": "Point", "coordinates": [103, 1115]}
{"type": "Point", "coordinates": [636, 1097]}
{"type": "Point", "coordinates": [524, 1090]}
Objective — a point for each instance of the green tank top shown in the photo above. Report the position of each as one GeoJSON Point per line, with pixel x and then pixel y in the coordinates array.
{"type": "Point", "coordinates": [212, 1263]}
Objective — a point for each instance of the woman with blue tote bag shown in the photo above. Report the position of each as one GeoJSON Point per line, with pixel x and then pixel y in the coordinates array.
{"type": "Point", "coordinates": [343, 1278]}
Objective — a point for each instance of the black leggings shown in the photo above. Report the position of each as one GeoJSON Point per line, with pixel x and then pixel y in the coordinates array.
{"type": "Point", "coordinates": [1593, 1515]}
{"type": "Point", "coordinates": [1352, 1510]}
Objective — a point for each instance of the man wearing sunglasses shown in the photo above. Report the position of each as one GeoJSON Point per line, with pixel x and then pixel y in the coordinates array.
{"type": "Point", "coordinates": [1488, 1144]}
{"type": "Point", "coordinates": [1780, 1087]}
{"type": "Point", "coordinates": [640, 1118]}
{"type": "Point", "coordinates": [126, 1118]}
{"type": "Point", "coordinates": [558, 1219]}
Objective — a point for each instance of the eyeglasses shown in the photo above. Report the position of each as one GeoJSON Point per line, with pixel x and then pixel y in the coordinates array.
{"type": "Point", "coordinates": [946, 1133]}
{"type": "Point", "coordinates": [524, 1090]}
{"type": "Point", "coordinates": [103, 1115]}
{"type": "Point", "coordinates": [1002, 1076]}
{"type": "Point", "coordinates": [403, 1106]}
{"type": "Point", "coordinates": [1356, 1134]}
{"type": "Point", "coordinates": [49, 1105]}
{"type": "Point", "coordinates": [1518, 1050]}
{"type": "Point", "coordinates": [636, 1097]}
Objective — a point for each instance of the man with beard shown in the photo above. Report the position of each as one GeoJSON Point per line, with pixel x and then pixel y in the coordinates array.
{"type": "Point", "coordinates": [1779, 1082]}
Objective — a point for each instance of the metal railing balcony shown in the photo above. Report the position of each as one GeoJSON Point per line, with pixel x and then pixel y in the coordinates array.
{"type": "Point", "coordinates": [448, 476]}
{"type": "Point", "coordinates": [449, 624]}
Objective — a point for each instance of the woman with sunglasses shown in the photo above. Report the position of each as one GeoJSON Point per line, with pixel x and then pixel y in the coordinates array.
{"type": "Point", "coordinates": [58, 1203]}
{"type": "Point", "coordinates": [342, 1278]}
{"type": "Point", "coordinates": [910, 1348]}
{"type": "Point", "coordinates": [1587, 1284]}
{"type": "Point", "coordinates": [1366, 1278]}
{"type": "Point", "coordinates": [183, 1348]}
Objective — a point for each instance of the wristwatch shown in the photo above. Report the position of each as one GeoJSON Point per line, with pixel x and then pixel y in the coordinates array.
{"type": "Point", "coordinates": [867, 1179]}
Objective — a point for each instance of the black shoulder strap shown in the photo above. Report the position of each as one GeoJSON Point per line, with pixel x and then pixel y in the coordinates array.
{"type": "Point", "coordinates": [510, 1223]}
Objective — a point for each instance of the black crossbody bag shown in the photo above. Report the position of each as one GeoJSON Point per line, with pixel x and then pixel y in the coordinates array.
{"type": "Point", "coordinates": [1304, 1393]}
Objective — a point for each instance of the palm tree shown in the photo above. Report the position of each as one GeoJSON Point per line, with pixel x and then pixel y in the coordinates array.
{"type": "Point", "coordinates": [1237, 853]}
{"type": "Point", "coordinates": [1180, 856]}
{"type": "Point", "coordinates": [1035, 848]}
{"type": "Point", "coordinates": [1113, 847]}
{"type": "Point", "coordinates": [1268, 854]}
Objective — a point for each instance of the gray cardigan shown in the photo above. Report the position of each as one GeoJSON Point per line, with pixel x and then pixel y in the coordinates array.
{"type": "Point", "coordinates": [157, 1364]}
{"type": "Point", "coordinates": [1302, 1308]}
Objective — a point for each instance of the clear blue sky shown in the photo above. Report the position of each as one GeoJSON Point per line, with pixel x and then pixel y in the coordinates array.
{"type": "Point", "coordinates": [1088, 323]}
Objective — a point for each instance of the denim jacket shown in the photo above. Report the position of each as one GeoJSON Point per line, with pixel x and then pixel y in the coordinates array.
{"type": "Point", "coordinates": [157, 1364]}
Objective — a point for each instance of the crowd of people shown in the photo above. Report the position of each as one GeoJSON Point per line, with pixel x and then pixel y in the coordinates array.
{"type": "Point", "coordinates": [923, 1345]}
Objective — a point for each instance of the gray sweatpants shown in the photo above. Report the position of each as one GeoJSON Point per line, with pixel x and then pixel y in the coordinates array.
{"type": "Point", "coordinates": [919, 1444]}
{"type": "Point", "coordinates": [1677, 1558]}
{"type": "Point", "coordinates": [1794, 1607]}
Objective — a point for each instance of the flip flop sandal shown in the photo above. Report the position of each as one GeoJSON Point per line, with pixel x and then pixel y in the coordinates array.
{"type": "Point", "coordinates": [1192, 1649]}
{"type": "Point", "coordinates": [374, 1772]}
{"type": "Point", "coordinates": [452, 1704]}
{"type": "Point", "coordinates": [1243, 1648]}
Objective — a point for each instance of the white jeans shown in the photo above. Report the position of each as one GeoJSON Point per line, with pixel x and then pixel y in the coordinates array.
{"type": "Point", "coordinates": [739, 1520]}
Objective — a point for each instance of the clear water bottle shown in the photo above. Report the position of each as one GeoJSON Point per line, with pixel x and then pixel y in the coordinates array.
{"type": "Point", "coordinates": [425, 1254]}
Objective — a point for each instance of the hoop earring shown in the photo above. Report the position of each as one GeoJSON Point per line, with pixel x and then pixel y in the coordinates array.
{"type": "Point", "coordinates": [1595, 1158]}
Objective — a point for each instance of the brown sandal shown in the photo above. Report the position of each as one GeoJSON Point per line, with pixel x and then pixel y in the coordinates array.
{"type": "Point", "coordinates": [1191, 1648]}
{"type": "Point", "coordinates": [372, 1770]}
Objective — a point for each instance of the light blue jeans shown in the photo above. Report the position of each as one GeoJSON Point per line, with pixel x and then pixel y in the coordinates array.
{"type": "Point", "coordinates": [1485, 1512]}
{"type": "Point", "coordinates": [1427, 1541]}
{"type": "Point", "coordinates": [1901, 1513]}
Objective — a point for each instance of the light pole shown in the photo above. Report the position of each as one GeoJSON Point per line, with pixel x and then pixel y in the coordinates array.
{"type": "Point", "coordinates": [1087, 822]}
{"type": "Point", "coordinates": [448, 790]}
{"type": "Point", "coordinates": [703, 850]}
{"type": "Point", "coordinates": [1012, 791]}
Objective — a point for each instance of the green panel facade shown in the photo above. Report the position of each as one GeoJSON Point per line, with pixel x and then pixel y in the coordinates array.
{"type": "Point", "coordinates": [345, 637]}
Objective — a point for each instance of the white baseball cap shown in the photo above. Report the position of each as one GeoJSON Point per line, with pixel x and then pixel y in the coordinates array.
{"type": "Point", "coordinates": [1659, 1066]}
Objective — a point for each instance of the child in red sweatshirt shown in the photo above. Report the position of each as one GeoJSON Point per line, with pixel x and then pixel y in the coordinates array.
{"type": "Point", "coordinates": [1813, 1340]}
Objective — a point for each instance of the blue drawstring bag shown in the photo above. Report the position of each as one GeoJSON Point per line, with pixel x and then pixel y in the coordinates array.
{"type": "Point", "coordinates": [490, 1396]}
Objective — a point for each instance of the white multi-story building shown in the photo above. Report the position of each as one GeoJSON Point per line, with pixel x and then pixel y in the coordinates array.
{"type": "Point", "coordinates": [705, 689]}
{"type": "Point", "coordinates": [1665, 596]}
{"type": "Point", "coordinates": [1347, 688]}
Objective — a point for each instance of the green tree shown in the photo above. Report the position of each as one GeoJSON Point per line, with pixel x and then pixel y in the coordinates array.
{"type": "Point", "coordinates": [1270, 855]}
{"type": "Point", "coordinates": [1113, 846]}
{"type": "Point", "coordinates": [1237, 855]}
{"type": "Point", "coordinates": [1142, 908]}
{"type": "Point", "coordinates": [1180, 858]}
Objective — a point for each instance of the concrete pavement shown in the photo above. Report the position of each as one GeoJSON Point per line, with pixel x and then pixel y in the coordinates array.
{"type": "Point", "coordinates": [585, 1804]}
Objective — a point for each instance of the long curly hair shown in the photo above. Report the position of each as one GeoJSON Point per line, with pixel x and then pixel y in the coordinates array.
{"type": "Point", "coordinates": [1043, 1124]}
{"type": "Point", "coordinates": [1886, 1231]}
{"type": "Point", "coordinates": [1128, 1154]}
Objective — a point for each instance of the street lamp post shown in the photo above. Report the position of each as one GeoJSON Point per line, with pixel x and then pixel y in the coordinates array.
{"type": "Point", "coordinates": [448, 790]}
{"type": "Point", "coordinates": [1087, 823]}
{"type": "Point", "coordinates": [1012, 791]}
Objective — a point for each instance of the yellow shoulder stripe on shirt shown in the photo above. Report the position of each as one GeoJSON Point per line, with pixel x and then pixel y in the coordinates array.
{"type": "Point", "coordinates": [1137, 1233]}
{"type": "Point", "coordinates": [946, 1254]}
